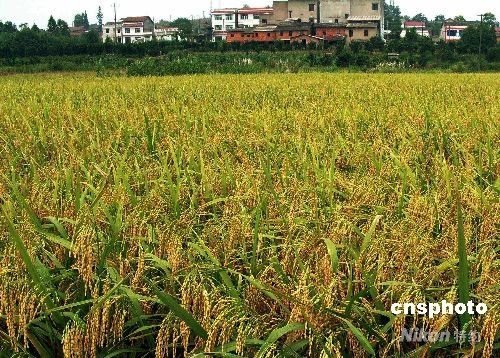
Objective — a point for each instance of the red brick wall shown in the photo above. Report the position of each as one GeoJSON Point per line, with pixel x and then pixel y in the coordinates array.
{"type": "Point", "coordinates": [329, 33]}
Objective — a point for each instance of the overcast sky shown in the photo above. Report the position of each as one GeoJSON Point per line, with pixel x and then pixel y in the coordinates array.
{"type": "Point", "coordinates": [31, 11]}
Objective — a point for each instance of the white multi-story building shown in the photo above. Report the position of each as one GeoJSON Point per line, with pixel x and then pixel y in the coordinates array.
{"type": "Point", "coordinates": [137, 29]}
{"type": "Point", "coordinates": [452, 30]}
{"type": "Point", "coordinates": [129, 30]}
{"type": "Point", "coordinates": [112, 31]}
{"type": "Point", "coordinates": [224, 20]}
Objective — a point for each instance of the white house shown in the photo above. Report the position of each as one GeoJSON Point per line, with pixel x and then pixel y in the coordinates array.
{"type": "Point", "coordinates": [251, 17]}
{"type": "Point", "coordinates": [453, 30]}
{"type": "Point", "coordinates": [418, 26]}
{"type": "Point", "coordinates": [137, 29]}
{"type": "Point", "coordinates": [224, 20]}
{"type": "Point", "coordinates": [112, 31]}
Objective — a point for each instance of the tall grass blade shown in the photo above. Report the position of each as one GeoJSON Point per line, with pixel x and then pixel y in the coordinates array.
{"type": "Point", "coordinates": [179, 311]}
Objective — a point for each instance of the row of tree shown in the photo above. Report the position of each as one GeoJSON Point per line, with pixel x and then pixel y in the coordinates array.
{"type": "Point", "coordinates": [56, 40]}
{"type": "Point", "coordinates": [394, 21]}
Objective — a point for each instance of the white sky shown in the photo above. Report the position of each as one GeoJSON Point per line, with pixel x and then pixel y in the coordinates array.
{"type": "Point", "coordinates": [32, 11]}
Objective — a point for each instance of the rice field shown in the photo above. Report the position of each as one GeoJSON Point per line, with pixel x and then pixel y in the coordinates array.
{"type": "Point", "coordinates": [253, 215]}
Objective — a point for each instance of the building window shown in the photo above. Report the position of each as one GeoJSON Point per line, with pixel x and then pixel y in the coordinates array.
{"type": "Point", "coordinates": [242, 35]}
{"type": "Point", "coordinates": [311, 7]}
{"type": "Point", "coordinates": [229, 27]}
{"type": "Point", "coordinates": [119, 30]}
{"type": "Point", "coordinates": [375, 6]}
{"type": "Point", "coordinates": [218, 27]}
{"type": "Point", "coordinates": [229, 17]}
{"type": "Point", "coordinates": [452, 33]}
{"type": "Point", "coordinates": [351, 33]}
{"type": "Point", "coordinates": [324, 33]}
{"type": "Point", "coordinates": [107, 31]}
{"type": "Point", "coordinates": [264, 21]}
{"type": "Point", "coordinates": [365, 33]}
{"type": "Point", "coordinates": [244, 16]}
{"type": "Point", "coordinates": [336, 21]}
{"type": "Point", "coordinates": [137, 30]}
{"type": "Point", "coordinates": [127, 30]}
{"type": "Point", "coordinates": [232, 35]}
{"type": "Point", "coordinates": [256, 17]}
{"type": "Point", "coordinates": [346, 16]}
{"type": "Point", "coordinates": [290, 14]}
{"type": "Point", "coordinates": [218, 17]}
{"type": "Point", "coordinates": [281, 33]}
{"type": "Point", "coordinates": [256, 34]}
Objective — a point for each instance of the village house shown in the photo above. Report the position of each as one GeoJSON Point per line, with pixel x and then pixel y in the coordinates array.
{"type": "Point", "coordinates": [362, 28]}
{"type": "Point", "coordinates": [356, 12]}
{"type": "Point", "coordinates": [288, 32]}
{"type": "Point", "coordinates": [224, 20]}
{"type": "Point", "coordinates": [354, 20]}
{"type": "Point", "coordinates": [452, 30]}
{"type": "Point", "coordinates": [112, 31]}
{"type": "Point", "coordinates": [77, 30]}
{"type": "Point", "coordinates": [137, 29]}
{"type": "Point", "coordinates": [419, 27]}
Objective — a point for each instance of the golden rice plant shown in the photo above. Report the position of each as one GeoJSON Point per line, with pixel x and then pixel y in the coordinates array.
{"type": "Point", "coordinates": [251, 215]}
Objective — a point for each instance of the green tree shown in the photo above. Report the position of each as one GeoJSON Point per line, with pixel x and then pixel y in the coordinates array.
{"type": "Point", "coordinates": [7, 27]}
{"type": "Point", "coordinates": [91, 37]}
{"type": "Point", "coordinates": [184, 25]}
{"type": "Point", "coordinates": [52, 25]}
{"type": "Point", "coordinates": [392, 15]}
{"type": "Point", "coordinates": [86, 21]}
{"type": "Point", "coordinates": [100, 16]}
{"type": "Point", "coordinates": [490, 19]}
{"type": "Point", "coordinates": [78, 20]}
{"type": "Point", "coordinates": [375, 44]}
{"type": "Point", "coordinates": [81, 20]}
{"type": "Point", "coordinates": [420, 18]}
{"type": "Point", "coordinates": [437, 24]}
{"type": "Point", "coordinates": [410, 41]}
{"type": "Point", "coordinates": [459, 18]}
{"type": "Point", "coordinates": [469, 42]}
{"type": "Point", "coordinates": [62, 28]}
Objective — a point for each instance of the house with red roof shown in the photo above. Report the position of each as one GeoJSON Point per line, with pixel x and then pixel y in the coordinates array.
{"type": "Point", "coordinates": [419, 27]}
